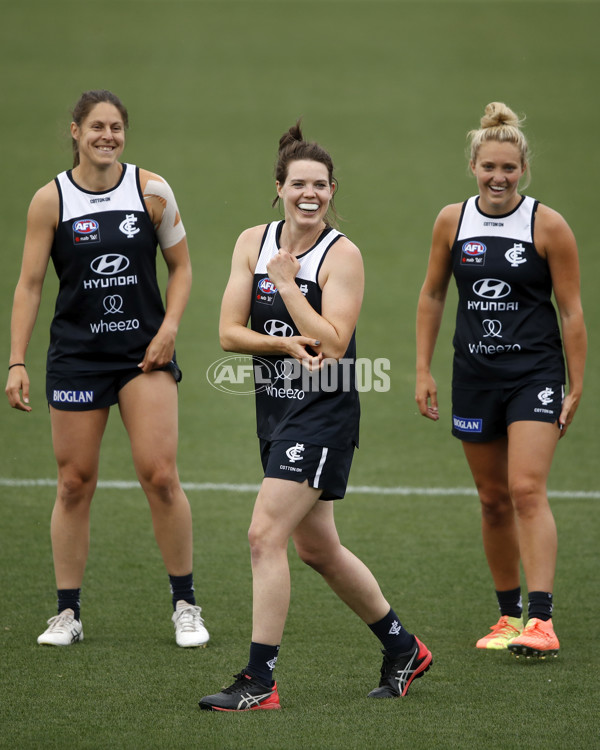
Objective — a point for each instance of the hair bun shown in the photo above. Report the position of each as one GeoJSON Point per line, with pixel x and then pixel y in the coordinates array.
{"type": "Point", "coordinates": [500, 124]}
{"type": "Point", "coordinates": [497, 114]}
{"type": "Point", "coordinates": [293, 135]}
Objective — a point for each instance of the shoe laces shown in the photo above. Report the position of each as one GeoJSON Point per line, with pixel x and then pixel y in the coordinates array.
{"type": "Point", "coordinates": [189, 619]}
{"type": "Point", "coordinates": [392, 665]}
{"type": "Point", "coordinates": [242, 682]}
{"type": "Point", "coordinates": [502, 627]}
{"type": "Point", "coordinates": [61, 621]}
{"type": "Point", "coordinates": [386, 666]}
{"type": "Point", "coordinates": [537, 627]}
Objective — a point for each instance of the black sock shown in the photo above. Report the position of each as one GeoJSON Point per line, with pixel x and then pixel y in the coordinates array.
{"type": "Point", "coordinates": [510, 602]}
{"type": "Point", "coordinates": [540, 605]}
{"type": "Point", "coordinates": [182, 587]}
{"type": "Point", "coordinates": [262, 662]}
{"type": "Point", "coordinates": [69, 599]}
{"type": "Point", "coordinates": [394, 638]}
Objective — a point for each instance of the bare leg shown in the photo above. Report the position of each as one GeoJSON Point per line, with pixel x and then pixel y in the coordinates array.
{"type": "Point", "coordinates": [318, 545]}
{"type": "Point", "coordinates": [148, 405]}
{"type": "Point", "coordinates": [531, 449]}
{"type": "Point", "coordinates": [489, 466]}
{"type": "Point", "coordinates": [76, 438]}
{"type": "Point", "coordinates": [279, 508]}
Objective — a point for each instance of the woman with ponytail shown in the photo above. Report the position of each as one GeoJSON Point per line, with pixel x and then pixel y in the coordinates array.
{"type": "Point", "coordinates": [112, 341]}
{"type": "Point", "coordinates": [508, 254]}
{"type": "Point", "coordinates": [299, 282]}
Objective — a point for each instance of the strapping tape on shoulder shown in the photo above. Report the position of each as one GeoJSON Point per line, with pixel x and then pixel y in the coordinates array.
{"type": "Point", "coordinates": [171, 229]}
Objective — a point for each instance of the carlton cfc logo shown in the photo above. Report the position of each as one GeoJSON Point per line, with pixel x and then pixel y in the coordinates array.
{"type": "Point", "coordinates": [86, 226]}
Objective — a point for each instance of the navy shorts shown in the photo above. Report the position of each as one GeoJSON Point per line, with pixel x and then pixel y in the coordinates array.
{"type": "Point", "coordinates": [324, 468]}
{"type": "Point", "coordinates": [482, 416]}
{"type": "Point", "coordinates": [85, 391]}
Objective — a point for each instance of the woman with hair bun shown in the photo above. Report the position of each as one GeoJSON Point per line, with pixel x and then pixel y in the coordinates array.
{"type": "Point", "coordinates": [300, 284]}
{"type": "Point", "coordinates": [112, 341]}
{"type": "Point", "coordinates": [508, 254]}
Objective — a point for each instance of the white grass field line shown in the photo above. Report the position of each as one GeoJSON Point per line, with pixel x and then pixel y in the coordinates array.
{"type": "Point", "coordinates": [358, 489]}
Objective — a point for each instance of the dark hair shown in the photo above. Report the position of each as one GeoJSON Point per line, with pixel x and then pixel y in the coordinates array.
{"type": "Point", "coordinates": [86, 102]}
{"type": "Point", "coordinates": [293, 147]}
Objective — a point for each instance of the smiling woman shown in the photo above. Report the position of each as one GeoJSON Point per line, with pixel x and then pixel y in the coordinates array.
{"type": "Point", "coordinates": [299, 283]}
{"type": "Point", "coordinates": [294, 149]}
{"type": "Point", "coordinates": [508, 254]}
{"type": "Point", "coordinates": [112, 341]}
{"type": "Point", "coordinates": [105, 131]}
{"type": "Point", "coordinates": [499, 159]}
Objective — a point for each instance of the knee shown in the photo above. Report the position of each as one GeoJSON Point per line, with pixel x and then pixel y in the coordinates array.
{"type": "Point", "coordinates": [264, 541]}
{"type": "Point", "coordinates": [528, 497]}
{"type": "Point", "coordinates": [160, 482]}
{"type": "Point", "coordinates": [258, 539]}
{"type": "Point", "coordinates": [316, 558]}
{"type": "Point", "coordinates": [75, 488]}
{"type": "Point", "coordinates": [496, 504]}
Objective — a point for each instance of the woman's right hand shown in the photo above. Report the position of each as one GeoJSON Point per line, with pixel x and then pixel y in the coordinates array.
{"type": "Point", "coordinates": [17, 385]}
{"type": "Point", "coordinates": [426, 397]}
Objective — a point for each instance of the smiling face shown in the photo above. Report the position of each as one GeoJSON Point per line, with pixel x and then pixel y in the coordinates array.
{"type": "Point", "coordinates": [306, 192]}
{"type": "Point", "coordinates": [498, 169]}
{"type": "Point", "coordinates": [101, 136]}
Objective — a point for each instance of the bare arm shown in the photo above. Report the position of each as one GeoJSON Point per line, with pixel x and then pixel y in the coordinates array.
{"type": "Point", "coordinates": [42, 220]}
{"type": "Point", "coordinates": [234, 333]}
{"type": "Point", "coordinates": [164, 213]}
{"type": "Point", "coordinates": [430, 307]}
{"type": "Point", "coordinates": [555, 240]}
{"type": "Point", "coordinates": [342, 280]}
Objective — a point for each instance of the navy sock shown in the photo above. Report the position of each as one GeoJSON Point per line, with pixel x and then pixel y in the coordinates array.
{"type": "Point", "coordinates": [69, 599]}
{"type": "Point", "coordinates": [262, 662]}
{"type": "Point", "coordinates": [540, 605]}
{"type": "Point", "coordinates": [394, 638]}
{"type": "Point", "coordinates": [182, 587]}
{"type": "Point", "coordinates": [510, 602]}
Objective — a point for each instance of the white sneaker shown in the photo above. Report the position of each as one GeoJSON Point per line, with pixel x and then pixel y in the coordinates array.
{"type": "Point", "coordinates": [189, 625]}
{"type": "Point", "coordinates": [63, 631]}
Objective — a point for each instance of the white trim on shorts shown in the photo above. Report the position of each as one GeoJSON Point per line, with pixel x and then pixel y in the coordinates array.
{"type": "Point", "coordinates": [320, 467]}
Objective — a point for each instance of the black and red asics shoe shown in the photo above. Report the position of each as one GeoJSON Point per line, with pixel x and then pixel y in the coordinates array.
{"type": "Point", "coordinates": [246, 694]}
{"type": "Point", "coordinates": [398, 673]}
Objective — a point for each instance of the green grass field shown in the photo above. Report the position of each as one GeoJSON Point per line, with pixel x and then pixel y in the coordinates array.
{"type": "Point", "coordinates": [390, 88]}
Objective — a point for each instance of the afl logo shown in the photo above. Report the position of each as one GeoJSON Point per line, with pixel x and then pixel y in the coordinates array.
{"type": "Point", "coordinates": [108, 265]}
{"type": "Point", "coordinates": [491, 288]}
{"type": "Point", "coordinates": [474, 249]}
{"type": "Point", "coordinates": [267, 286]}
{"type": "Point", "coordinates": [86, 226]}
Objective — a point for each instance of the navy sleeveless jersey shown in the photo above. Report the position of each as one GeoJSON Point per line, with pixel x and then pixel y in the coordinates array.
{"type": "Point", "coordinates": [321, 408]}
{"type": "Point", "coordinates": [506, 325]}
{"type": "Point", "coordinates": [109, 305]}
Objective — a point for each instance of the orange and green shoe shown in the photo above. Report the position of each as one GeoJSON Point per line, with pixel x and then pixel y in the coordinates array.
{"type": "Point", "coordinates": [537, 639]}
{"type": "Point", "coordinates": [502, 633]}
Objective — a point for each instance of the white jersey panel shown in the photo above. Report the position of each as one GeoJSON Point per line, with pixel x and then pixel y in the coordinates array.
{"type": "Point", "coordinates": [78, 202]}
{"type": "Point", "coordinates": [517, 225]}
{"type": "Point", "coordinates": [310, 261]}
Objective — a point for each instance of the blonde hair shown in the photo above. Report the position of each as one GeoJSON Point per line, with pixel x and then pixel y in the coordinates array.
{"type": "Point", "coordinates": [500, 123]}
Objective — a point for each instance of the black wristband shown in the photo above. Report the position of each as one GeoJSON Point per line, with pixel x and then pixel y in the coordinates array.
{"type": "Point", "coordinates": [16, 364]}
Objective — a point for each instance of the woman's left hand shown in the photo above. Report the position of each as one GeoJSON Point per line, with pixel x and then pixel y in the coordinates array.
{"type": "Point", "coordinates": [569, 407]}
{"type": "Point", "coordinates": [159, 352]}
